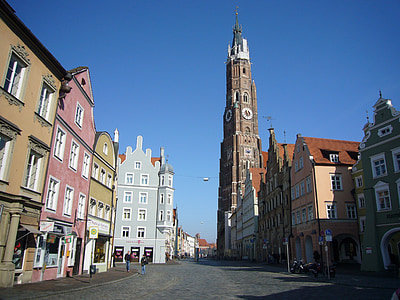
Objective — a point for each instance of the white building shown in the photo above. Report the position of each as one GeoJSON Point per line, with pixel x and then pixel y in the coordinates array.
{"type": "Point", "coordinates": [144, 217]}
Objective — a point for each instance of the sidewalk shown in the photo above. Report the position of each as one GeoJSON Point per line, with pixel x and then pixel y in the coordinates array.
{"type": "Point", "coordinates": [63, 284]}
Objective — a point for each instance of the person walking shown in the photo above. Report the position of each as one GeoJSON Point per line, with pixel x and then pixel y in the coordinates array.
{"type": "Point", "coordinates": [143, 263]}
{"type": "Point", "coordinates": [128, 261]}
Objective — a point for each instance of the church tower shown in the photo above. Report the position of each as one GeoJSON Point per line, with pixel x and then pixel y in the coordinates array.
{"type": "Point", "coordinates": [241, 145]}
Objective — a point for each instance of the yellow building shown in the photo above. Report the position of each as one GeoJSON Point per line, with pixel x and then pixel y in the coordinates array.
{"type": "Point", "coordinates": [102, 202]}
{"type": "Point", "coordinates": [31, 82]}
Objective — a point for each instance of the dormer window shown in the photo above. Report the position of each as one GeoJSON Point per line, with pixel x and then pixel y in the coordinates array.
{"type": "Point", "coordinates": [333, 157]}
{"type": "Point", "coordinates": [385, 131]}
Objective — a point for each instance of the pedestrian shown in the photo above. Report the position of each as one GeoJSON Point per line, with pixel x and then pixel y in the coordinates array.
{"type": "Point", "coordinates": [143, 263]}
{"type": "Point", "coordinates": [128, 261]}
{"type": "Point", "coordinates": [114, 258]}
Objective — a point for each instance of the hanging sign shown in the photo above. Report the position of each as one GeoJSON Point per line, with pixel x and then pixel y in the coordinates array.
{"type": "Point", "coordinates": [93, 232]}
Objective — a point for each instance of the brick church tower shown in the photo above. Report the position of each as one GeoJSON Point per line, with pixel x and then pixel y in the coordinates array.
{"type": "Point", "coordinates": [241, 145]}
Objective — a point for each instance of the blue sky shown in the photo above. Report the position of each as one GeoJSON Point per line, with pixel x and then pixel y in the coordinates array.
{"type": "Point", "coordinates": [157, 70]}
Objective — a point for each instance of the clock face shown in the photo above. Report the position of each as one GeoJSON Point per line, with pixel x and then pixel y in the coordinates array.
{"type": "Point", "coordinates": [228, 115]}
{"type": "Point", "coordinates": [247, 113]}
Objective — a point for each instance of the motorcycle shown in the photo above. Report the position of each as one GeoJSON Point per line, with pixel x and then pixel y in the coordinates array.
{"type": "Point", "coordinates": [297, 266]}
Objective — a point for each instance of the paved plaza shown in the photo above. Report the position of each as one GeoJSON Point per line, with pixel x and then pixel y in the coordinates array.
{"type": "Point", "coordinates": [208, 279]}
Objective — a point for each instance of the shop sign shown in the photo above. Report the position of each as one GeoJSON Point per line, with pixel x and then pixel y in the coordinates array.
{"type": "Point", "coordinates": [46, 226]}
{"type": "Point", "coordinates": [93, 232]}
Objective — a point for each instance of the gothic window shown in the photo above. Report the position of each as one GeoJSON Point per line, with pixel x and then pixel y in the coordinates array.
{"type": "Point", "coordinates": [245, 98]}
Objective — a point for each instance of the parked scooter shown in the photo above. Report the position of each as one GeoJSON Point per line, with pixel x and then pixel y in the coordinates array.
{"type": "Point", "coordinates": [297, 266]}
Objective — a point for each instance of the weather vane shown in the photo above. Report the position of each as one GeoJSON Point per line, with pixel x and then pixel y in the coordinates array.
{"type": "Point", "coordinates": [269, 119]}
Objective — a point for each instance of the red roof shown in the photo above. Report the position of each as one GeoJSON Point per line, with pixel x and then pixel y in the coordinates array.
{"type": "Point", "coordinates": [265, 158]}
{"type": "Point", "coordinates": [320, 149]}
{"type": "Point", "coordinates": [256, 172]}
{"type": "Point", "coordinates": [203, 243]}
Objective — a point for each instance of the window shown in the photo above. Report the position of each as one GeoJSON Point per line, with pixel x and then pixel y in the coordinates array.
{"type": "Point", "coordinates": [308, 185]}
{"type": "Point", "coordinates": [351, 211]}
{"type": "Point", "coordinates": [362, 224]}
{"type": "Point", "coordinates": [161, 198]}
{"type": "Point", "coordinates": [100, 209]}
{"type": "Point", "coordinates": [138, 165]}
{"type": "Point", "coordinates": [129, 178]}
{"type": "Point", "coordinates": [245, 96]}
{"type": "Point", "coordinates": [46, 96]}
{"type": "Point", "coordinates": [79, 115]}
{"type": "Point", "coordinates": [68, 199]}
{"type": "Point", "coordinates": [169, 199]}
{"type": "Point", "coordinates": [296, 166]}
{"type": "Point", "coordinates": [105, 148]}
{"type": "Point", "coordinates": [396, 159]}
{"type": "Point", "coordinates": [144, 179]}
{"type": "Point", "coordinates": [303, 215]}
{"type": "Point", "coordinates": [292, 193]}
{"type": "Point", "coordinates": [293, 218]}
{"type": "Point", "coordinates": [73, 157]}
{"type": "Point", "coordinates": [334, 157]}
{"type": "Point", "coordinates": [107, 212]}
{"type": "Point", "coordinates": [170, 181]}
{"type": "Point", "coordinates": [32, 170]}
{"type": "Point", "coordinates": [141, 232]}
{"type": "Point", "coordinates": [125, 231]}
{"type": "Point", "coordinates": [385, 130]}
{"type": "Point", "coordinates": [359, 181]}
{"type": "Point", "coordinates": [81, 207]}
{"type": "Point", "coordinates": [141, 215]}
{"type": "Point", "coordinates": [127, 197]}
{"type": "Point", "coordinates": [162, 180]}
{"type": "Point", "coordinates": [103, 176]}
{"type": "Point", "coordinates": [92, 207]}
{"type": "Point", "coordinates": [52, 194]}
{"type": "Point", "coordinates": [143, 198]}
{"type": "Point", "coordinates": [4, 153]}
{"type": "Point", "coordinates": [378, 165]}
{"type": "Point", "coordinates": [298, 217]}
{"type": "Point", "coordinates": [302, 188]}
{"type": "Point", "coordinates": [161, 215]}
{"type": "Point", "coordinates": [331, 210]}
{"type": "Point", "coordinates": [382, 196]}
{"type": "Point", "coordinates": [126, 214]}
{"type": "Point", "coordinates": [109, 180]}
{"type": "Point", "coordinates": [301, 163]}
{"type": "Point", "coordinates": [95, 171]}
{"type": "Point", "coordinates": [85, 166]}
{"type": "Point", "coordinates": [168, 216]}
{"type": "Point", "coordinates": [297, 191]}
{"type": "Point", "coordinates": [310, 213]}
{"type": "Point", "coordinates": [15, 76]}
{"type": "Point", "coordinates": [361, 200]}
{"type": "Point", "coordinates": [336, 182]}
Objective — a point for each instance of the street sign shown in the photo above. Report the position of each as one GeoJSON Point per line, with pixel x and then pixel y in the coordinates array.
{"type": "Point", "coordinates": [93, 232]}
{"type": "Point", "coordinates": [328, 238]}
{"type": "Point", "coordinates": [321, 240]}
{"type": "Point", "coordinates": [328, 232]}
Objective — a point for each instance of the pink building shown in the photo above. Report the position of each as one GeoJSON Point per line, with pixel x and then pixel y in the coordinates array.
{"type": "Point", "coordinates": [59, 251]}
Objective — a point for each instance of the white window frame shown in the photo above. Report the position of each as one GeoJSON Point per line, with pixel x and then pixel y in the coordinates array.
{"type": "Point", "coordinates": [308, 184]}
{"type": "Point", "coordinates": [105, 148]}
{"type": "Point", "coordinates": [125, 231]}
{"type": "Point", "coordinates": [109, 180]}
{"type": "Point", "coordinates": [5, 143]}
{"type": "Point", "coordinates": [331, 210]}
{"type": "Point", "coordinates": [95, 171]}
{"type": "Point", "coordinates": [85, 165]}
{"type": "Point", "coordinates": [100, 209]}
{"type": "Point", "coordinates": [169, 199]}
{"type": "Point", "coordinates": [79, 115]}
{"type": "Point", "coordinates": [359, 181]}
{"type": "Point", "coordinates": [381, 187]}
{"type": "Point", "coordinates": [81, 207]}
{"type": "Point", "coordinates": [334, 157]}
{"type": "Point", "coordinates": [142, 214]}
{"type": "Point", "coordinates": [138, 165]}
{"type": "Point", "coordinates": [162, 198]}
{"type": "Point", "coordinates": [45, 101]}
{"type": "Point", "coordinates": [310, 212]}
{"type": "Point", "coordinates": [377, 171]}
{"type": "Point", "coordinates": [363, 220]}
{"type": "Point", "coordinates": [92, 207]}
{"type": "Point", "coordinates": [68, 200]}
{"type": "Point", "coordinates": [336, 182]}
{"type": "Point", "coordinates": [107, 212]}
{"type": "Point", "coordinates": [103, 174]}
{"type": "Point", "coordinates": [33, 170]}
{"type": "Point", "coordinates": [144, 179]}
{"type": "Point", "coordinates": [170, 180]}
{"type": "Point", "coordinates": [141, 232]}
{"type": "Point", "coordinates": [15, 75]}
{"type": "Point", "coordinates": [53, 188]}
{"type": "Point", "coordinates": [385, 131]}
{"type": "Point", "coordinates": [396, 161]}
{"type": "Point", "coordinates": [126, 214]}
{"type": "Point", "coordinates": [351, 211]}
{"type": "Point", "coordinates": [74, 156]}
{"type": "Point", "coordinates": [161, 216]}
{"type": "Point", "coordinates": [169, 216]}
{"type": "Point", "coordinates": [126, 195]}
{"type": "Point", "coordinates": [143, 197]}
{"type": "Point", "coordinates": [361, 200]}
{"type": "Point", "coordinates": [129, 177]}
{"type": "Point", "coordinates": [59, 144]}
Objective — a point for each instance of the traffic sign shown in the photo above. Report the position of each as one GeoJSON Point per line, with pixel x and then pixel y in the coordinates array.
{"type": "Point", "coordinates": [321, 240]}
{"type": "Point", "coordinates": [328, 238]}
{"type": "Point", "coordinates": [328, 232]}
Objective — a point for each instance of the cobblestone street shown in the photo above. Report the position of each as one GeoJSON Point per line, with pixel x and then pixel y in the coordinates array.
{"type": "Point", "coordinates": [210, 279]}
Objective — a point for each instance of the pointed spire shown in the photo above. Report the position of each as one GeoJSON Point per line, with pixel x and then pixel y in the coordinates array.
{"type": "Point", "coordinates": [237, 33]}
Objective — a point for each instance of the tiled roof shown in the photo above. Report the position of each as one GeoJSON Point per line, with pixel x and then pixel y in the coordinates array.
{"type": "Point", "coordinates": [122, 157]}
{"type": "Point", "coordinates": [203, 243]}
{"type": "Point", "coordinates": [154, 159]}
{"type": "Point", "coordinates": [320, 149]}
{"type": "Point", "coordinates": [257, 177]}
{"type": "Point", "coordinates": [265, 158]}
{"type": "Point", "coordinates": [290, 149]}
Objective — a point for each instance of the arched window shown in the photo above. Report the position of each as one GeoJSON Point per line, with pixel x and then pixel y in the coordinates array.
{"type": "Point", "coordinates": [237, 96]}
{"type": "Point", "coordinates": [245, 98]}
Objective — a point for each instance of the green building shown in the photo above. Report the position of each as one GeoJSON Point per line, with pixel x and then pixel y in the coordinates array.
{"type": "Point", "coordinates": [380, 157]}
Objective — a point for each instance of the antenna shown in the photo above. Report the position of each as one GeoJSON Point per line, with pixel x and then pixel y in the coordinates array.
{"type": "Point", "coordinates": [284, 136]}
{"type": "Point", "coordinates": [269, 119]}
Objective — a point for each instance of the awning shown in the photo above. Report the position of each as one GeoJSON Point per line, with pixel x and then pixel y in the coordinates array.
{"type": "Point", "coordinates": [31, 229]}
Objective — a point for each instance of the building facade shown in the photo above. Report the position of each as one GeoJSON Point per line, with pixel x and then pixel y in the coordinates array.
{"type": "Point", "coordinates": [31, 82]}
{"type": "Point", "coordinates": [241, 145]}
{"type": "Point", "coordinates": [323, 206]}
{"type": "Point", "coordinates": [144, 214]}
{"type": "Point", "coordinates": [380, 157]}
{"type": "Point", "coordinates": [101, 202]}
{"type": "Point", "coordinates": [275, 202]}
{"type": "Point", "coordinates": [60, 249]}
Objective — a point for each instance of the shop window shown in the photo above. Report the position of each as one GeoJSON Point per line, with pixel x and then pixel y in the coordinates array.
{"type": "Point", "coordinates": [100, 250]}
